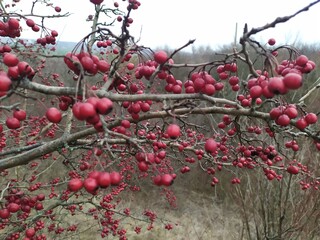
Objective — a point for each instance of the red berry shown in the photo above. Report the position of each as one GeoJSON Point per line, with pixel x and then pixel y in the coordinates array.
{"type": "Point", "coordinates": [292, 112]}
{"type": "Point", "coordinates": [38, 206]}
{"type": "Point", "coordinates": [130, 66]}
{"type": "Point", "coordinates": [93, 101]}
{"type": "Point", "coordinates": [143, 166]}
{"type": "Point", "coordinates": [301, 123]}
{"type": "Point", "coordinates": [57, 9]}
{"type": "Point", "coordinates": [87, 63]}
{"type": "Point", "coordinates": [5, 82]}
{"type": "Point", "coordinates": [104, 179]}
{"type": "Point", "coordinates": [30, 22]}
{"type": "Point", "coordinates": [210, 145]}
{"type": "Point", "coordinates": [160, 57]}
{"type": "Point", "coordinates": [199, 84]}
{"type": "Point", "coordinates": [275, 113]}
{"type": "Point", "coordinates": [13, 207]}
{"type": "Point", "coordinates": [41, 197]}
{"type": "Point", "coordinates": [166, 179]}
{"type": "Point", "coordinates": [104, 106]}
{"type": "Point", "coordinates": [292, 80]}
{"type": "Point", "coordinates": [125, 123]}
{"type": "Point", "coordinates": [13, 24]}
{"type": "Point", "coordinates": [173, 131]}
{"type": "Point", "coordinates": [75, 184]}
{"type": "Point", "coordinates": [24, 68]}
{"type": "Point", "coordinates": [293, 169]}
{"type": "Point", "coordinates": [4, 213]}
{"type": "Point", "coordinates": [283, 120]}
{"type": "Point", "coordinates": [30, 232]}
{"type": "Point", "coordinates": [103, 66]}
{"type": "Point", "coordinates": [90, 184]}
{"type": "Point", "coordinates": [12, 123]}
{"type": "Point", "coordinates": [10, 59]}
{"type": "Point", "coordinates": [209, 89]}
{"type": "Point", "coordinates": [36, 28]}
{"type": "Point", "coordinates": [311, 118]}
{"type": "Point", "coordinates": [54, 115]}
{"type": "Point", "coordinates": [255, 91]}
{"type": "Point", "coordinates": [276, 86]}
{"type": "Point", "coordinates": [234, 80]}
{"type": "Point", "coordinates": [54, 33]}
{"type": "Point", "coordinates": [20, 114]}
{"type": "Point", "coordinates": [87, 110]}
{"type": "Point", "coordinates": [223, 75]}
{"type": "Point", "coordinates": [13, 72]}
{"type": "Point", "coordinates": [302, 60]}
{"type": "Point", "coordinates": [271, 41]}
{"type": "Point", "coordinates": [115, 178]}
{"type": "Point", "coordinates": [94, 174]}
{"type": "Point", "coordinates": [157, 180]}
{"type": "Point", "coordinates": [69, 60]}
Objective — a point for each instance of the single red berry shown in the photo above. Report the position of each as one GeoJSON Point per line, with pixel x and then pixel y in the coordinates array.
{"type": "Point", "coordinates": [210, 145]}
{"type": "Point", "coordinates": [160, 57]}
{"type": "Point", "coordinates": [293, 169]}
{"type": "Point", "coordinates": [271, 41]}
{"type": "Point", "coordinates": [54, 115]}
{"type": "Point", "coordinates": [75, 184]}
{"type": "Point", "coordinates": [173, 131]}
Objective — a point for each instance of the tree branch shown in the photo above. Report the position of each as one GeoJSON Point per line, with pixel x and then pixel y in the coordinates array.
{"type": "Point", "coordinates": [26, 157]}
{"type": "Point", "coordinates": [59, 91]}
{"type": "Point", "coordinates": [277, 20]}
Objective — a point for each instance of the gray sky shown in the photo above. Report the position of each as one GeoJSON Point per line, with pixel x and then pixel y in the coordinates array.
{"type": "Point", "coordinates": [213, 23]}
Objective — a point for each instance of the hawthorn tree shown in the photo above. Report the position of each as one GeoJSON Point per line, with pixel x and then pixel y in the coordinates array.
{"type": "Point", "coordinates": [119, 116]}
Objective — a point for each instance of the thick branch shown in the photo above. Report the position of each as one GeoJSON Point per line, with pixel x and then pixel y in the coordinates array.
{"type": "Point", "coordinates": [26, 157]}
{"type": "Point", "coordinates": [46, 148]}
{"type": "Point", "coordinates": [59, 91]}
{"type": "Point", "coordinates": [51, 90]}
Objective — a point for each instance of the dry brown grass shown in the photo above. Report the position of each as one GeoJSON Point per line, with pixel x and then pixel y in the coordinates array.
{"type": "Point", "coordinates": [198, 216]}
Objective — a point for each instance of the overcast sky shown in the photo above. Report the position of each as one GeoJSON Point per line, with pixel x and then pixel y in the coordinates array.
{"type": "Point", "coordinates": [213, 23]}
